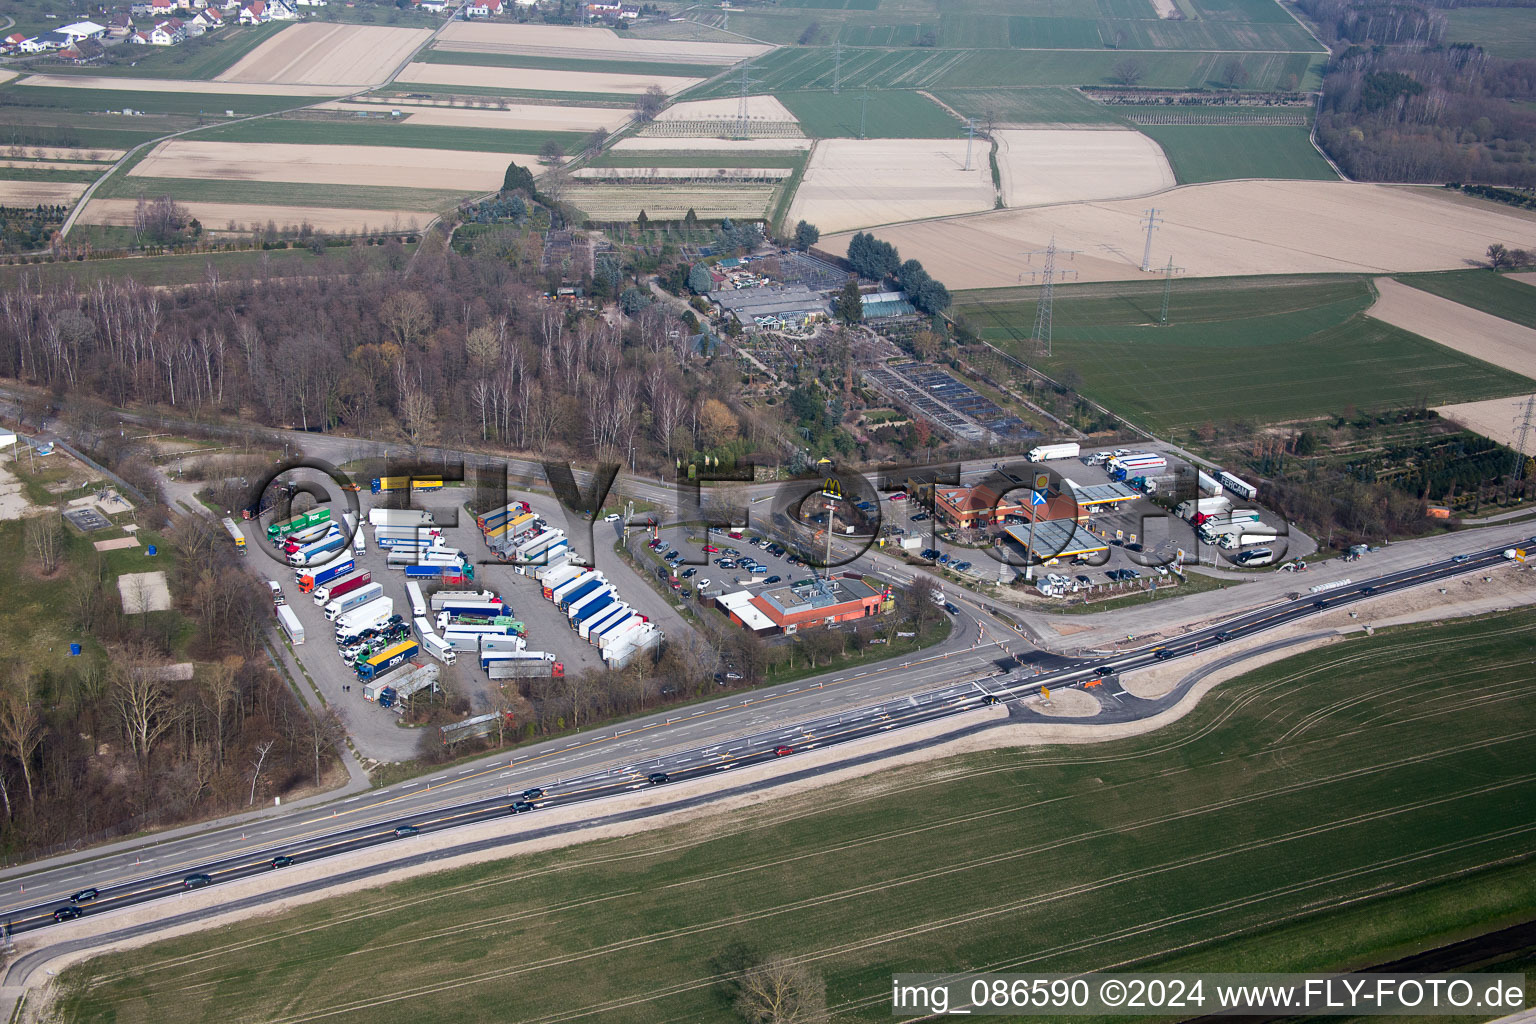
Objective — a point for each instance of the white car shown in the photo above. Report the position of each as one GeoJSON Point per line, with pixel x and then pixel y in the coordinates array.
{"type": "Point", "coordinates": [612, 517]}
{"type": "Point", "coordinates": [703, 584]}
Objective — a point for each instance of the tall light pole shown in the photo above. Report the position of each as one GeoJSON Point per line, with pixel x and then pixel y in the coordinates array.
{"type": "Point", "coordinates": [1036, 503]}
{"type": "Point", "coordinates": [833, 492]}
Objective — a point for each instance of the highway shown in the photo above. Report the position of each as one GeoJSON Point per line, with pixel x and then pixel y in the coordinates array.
{"type": "Point", "coordinates": [715, 737]}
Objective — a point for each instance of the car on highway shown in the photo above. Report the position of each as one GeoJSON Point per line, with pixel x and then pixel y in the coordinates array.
{"type": "Point", "coordinates": [1367, 590]}
{"type": "Point", "coordinates": [1319, 604]}
{"type": "Point", "coordinates": [951, 608]}
{"type": "Point", "coordinates": [1222, 637]}
{"type": "Point", "coordinates": [67, 913]}
{"type": "Point", "coordinates": [521, 807]}
{"type": "Point", "coordinates": [403, 831]}
{"type": "Point", "coordinates": [196, 881]}
{"type": "Point", "coordinates": [1162, 654]}
{"type": "Point", "coordinates": [85, 895]}
{"type": "Point", "coordinates": [990, 698]}
{"type": "Point", "coordinates": [1461, 558]}
{"type": "Point", "coordinates": [282, 860]}
{"type": "Point", "coordinates": [533, 793]}
{"type": "Point", "coordinates": [658, 778]}
{"type": "Point", "coordinates": [783, 751]}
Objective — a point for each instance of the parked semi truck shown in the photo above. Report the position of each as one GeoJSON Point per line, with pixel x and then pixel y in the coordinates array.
{"type": "Point", "coordinates": [369, 616]}
{"type": "Point", "coordinates": [319, 551]}
{"type": "Point", "coordinates": [1046, 452]}
{"type": "Point", "coordinates": [401, 558]}
{"type": "Point", "coordinates": [233, 529]}
{"type": "Point", "coordinates": [402, 517]}
{"type": "Point", "coordinates": [294, 541]}
{"type": "Point", "coordinates": [578, 589]}
{"type": "Point", "coordinates": [510, 528]}
{"type": "Point", "coordinates": [613, 628]}
{"type": "Point", "coordinates": [413, 594]}
{"type": "Point", "coordinates": [487, 609]}
{"type": "Point", "coordinates": [491, 520]}
{"type": "Point", "coordinates": [592, 606]}
{"type": "Point", "coordinates": [289, 620]}
{"type": "Point", "coordinates": [314, 517]}
{"type": "Point", "coordinates": [339, 606]}
{"type": "Point", "coordinates": [391, 657]}
{"type": "Point", "coordinates": [324, 595]}
{"type": "Point", "coordinates": [443, 598]}
{"type": "Point", "coordinates": [309, 579]}
{"type": "Point", "coordinates": [611, 613]}
{"type": "Point", "coordinates": [490, 644]}
{"type": "Point", "coordinates": [1242, 488]}
{"type": "Point", "coordinates": [1203, 507]}
{"type": "Point", "coordinates": [1208, 484]}
{"type": "Point", "coordinates": [526, 668]}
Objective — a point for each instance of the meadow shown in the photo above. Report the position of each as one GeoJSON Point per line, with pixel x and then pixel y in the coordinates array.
{"type": "Point", "coordinates": [884, 113]}
{"type": "Point", "coordinates": [1052, 105]}
{"type": "Point", "coordinates": [616, 67]}
{"type": "Point", "coordinates": [1262, 351]}
{"type": "Point", "coordinates": [1502, 31]}
{"type": "Point", "coordinates": [278, 193]}
{"type": "Point", "coordinates": [184, 268]}
{"type": "Point", "coordinates": [797, 68]}
{"type": "Point", "coordinates": [1223, 152]}
{"type": "Point", "coordinates": [1323, 812]}
{"type": "Point", "coordinates": [1487, 290]}
{"type": "Point", "coordinates": [211, 105]}
{"type": "Point", "coordinates": [381, 132]}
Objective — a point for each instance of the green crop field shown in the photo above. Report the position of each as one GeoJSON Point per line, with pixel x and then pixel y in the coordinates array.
{"type": "Point", "coordinates": [278, 193]}
{"type": "Point", "coordinates": [212, 105]}
{"type": "Point", "coordinates": [800, 68]}
{"type": "Point", "coordinates": [576, 99]}
{"type": "Point", "coordinates": [1327, 811]}
{"type": "Point", "coordinates": [381, 132]}
{"type": "Point", "coordinates": [887, 113]}
{"type": "Point", "coordinates": [40, 174]}
{"type": "Point", "coordinates": [1053, 105]}
{"type": "Point", "coordinates": [185, 268]}
{"type": "Point", "coordinates": [202, 58]}
{"type": "Point", "coordinates": [1502, 31]}
{"type": "Point", "coordinates": [704, 158]}
{"type": "Point", "coordinates": [611, 67]}
{"type": "Point", "coordinates": [1223, 152]}
{"type": "Point", "coordinates": [1486, 290]}
{"type": "Point", "coordinates": [1235, 349]}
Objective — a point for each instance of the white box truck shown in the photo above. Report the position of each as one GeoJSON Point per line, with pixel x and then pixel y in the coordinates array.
{"type": "Point", "coordinates": [356, 599]}
{"type": "Point", "coordinates": [444, 598]}
{"type": "Point", "coordinates": [374, 613]}
{"type": "Point", "coordinates": [418, 603]}
{"type": "Point", "coordinates": [289, 620]}
{"type": "Point", "coordinates": [399, 517]}
{"type": "Point", "coordinates": [1046, 452]}
{"type": "Point", "coordinates": [433, 644]}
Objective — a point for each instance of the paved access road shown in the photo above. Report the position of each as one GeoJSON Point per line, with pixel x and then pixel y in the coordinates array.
{"type": "Point", "coordinates": [711, 739]}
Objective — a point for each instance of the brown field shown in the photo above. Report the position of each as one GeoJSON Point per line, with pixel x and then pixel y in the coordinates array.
{"type": "Point", "coordinates": [670, 202]}
{"type": "Point", "coordinates": [328, 165]}
{"type": "Point", "coordinates": [1219, 229]}
{"type": "Point", "coordinates": [31, 193]}
{"type": "Point", "coordinates": [588, 43]}
{"type": "Point", "coordinates": [1478, 334]}
{"type": "Point", "coordinates": [1045, 165]}
{"type": "Point", "coordinates": [1497, 419]}
{"type": "Point", "coordinates": [674, 144]}
{"type": "Point", "coordinates": [317, 54]}
{"type": "Point", "coordinates": [217, 216]}
{"type": "Point", "coordinates": [681, 173]}
{"type": "Point", "coordinates": [6, 75]}
{"type": "Point", "coordinates": [854, 183]}
{"type": "Point", "coordinates": [171, 85]}
{"type": "Point", "coordinates": [533, 78]}
{"type": "Point", "coordinates": [54, 165]}
{"type": "Point", "coordinates": [1526, 278]}
{"type": "Point", "coordinates": [547, 117]}
{"type": "Point", "coordinates": [759, 108]}
{"type": "Point", "coordinates": [63, 153]}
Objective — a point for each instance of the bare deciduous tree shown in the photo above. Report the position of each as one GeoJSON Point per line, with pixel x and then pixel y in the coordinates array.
{"type": "Point", "coordinates": [781, 991]}
{"type": "Point", "coordinates": [262, 750]}
{"type": "Point", "coordinates": [45, 539]}
{"type": "Point", "coordinates": [21, 722]}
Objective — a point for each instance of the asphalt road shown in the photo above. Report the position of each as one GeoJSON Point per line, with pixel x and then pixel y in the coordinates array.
{"type": "Point", "coordinates": [713, 738]}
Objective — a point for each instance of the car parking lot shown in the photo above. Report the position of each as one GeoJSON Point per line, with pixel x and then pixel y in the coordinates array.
{"type": "Point", "coordinates": [743, 561]}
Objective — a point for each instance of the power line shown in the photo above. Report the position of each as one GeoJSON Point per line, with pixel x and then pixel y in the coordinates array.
{"type": "Point", "coordinates": [741, 104]}
{"type": "Point", "coordinates": [837, 67]}
{"type": "Point", "coordinates": [1151, 220]}
{"type": "Point", "coordinates": [863, 108]}
{"type": "Point", "coordinates": [970, 137]}
{"type": "Point", "coordinates": [1042, 332]}
{"type": "Point", "coordinates": [1525, 425]}
{"type": "Point", "coordinates": [1168, 271]}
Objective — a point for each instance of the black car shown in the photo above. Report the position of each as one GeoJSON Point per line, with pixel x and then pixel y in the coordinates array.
{"type": "Point", "coordinates": [1319, 604]}
{"type": "Point", "coordinates": [85, 895]}
{"type": "Point", "coordinates": [67, 913]}
{"type": "Point", "coordinates": [1367, 590]}
{"type": "Point", "coordinates": [951, 608]}
{"type": "Point", "coordinates": [773, 579]}
{"type": "Point", "coordinates": [990, 698]}
{"type": "Point", "coordinates": [196, 881]}
{"type": "Point", "coordinates": [521, 806]}
{"type": "Point", "coordinates": [533, 793]}
{"type": "Point", "coordinates": [406, 830]}
{"type": "Point", "coordinates": [1222, 637]}
{"type": "Point", "coordinates": [1163, 654]}
{"type": "Point", "coordinates": [658, 778]}
{"type": "Point", "coordinates": [919, 517]}
{"type": "Point", "coordinates": [282, 860]}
